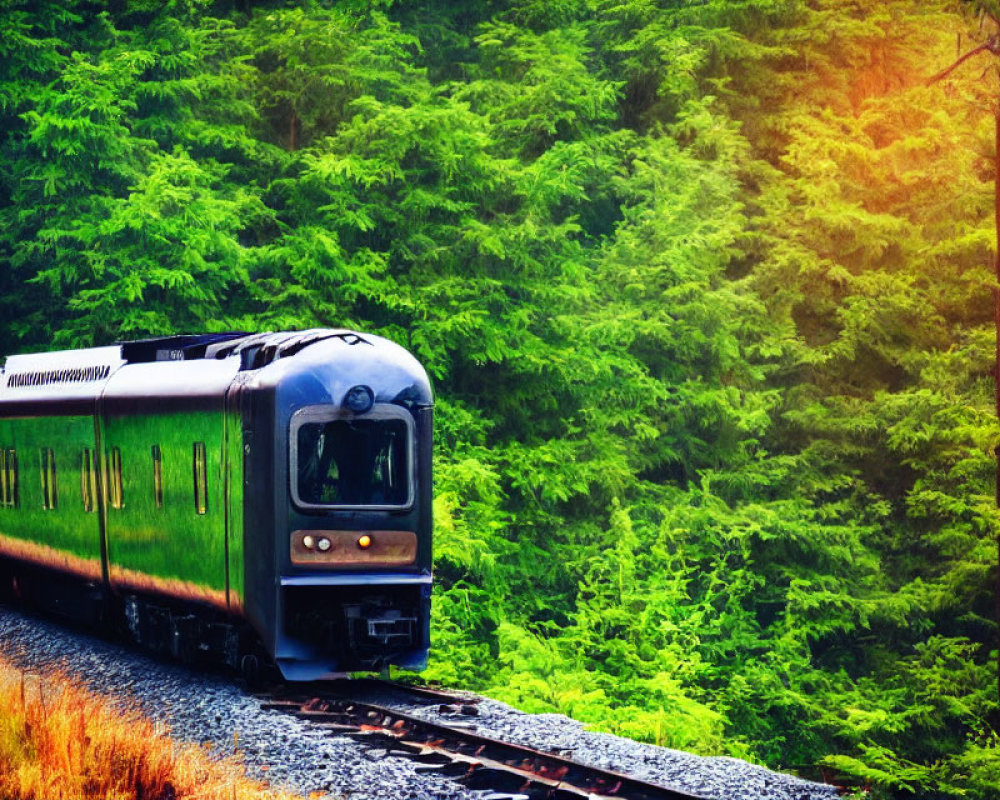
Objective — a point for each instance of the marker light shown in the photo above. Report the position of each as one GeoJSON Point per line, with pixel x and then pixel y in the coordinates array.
{"type": "Point", "coordinates": [364, 542]}
{"type": "Point", "coordinates": [323, 545]}
{"type": "Point", "coordinates": [308, 542]}
{"type": "Point", "coordinates": [359, 399]}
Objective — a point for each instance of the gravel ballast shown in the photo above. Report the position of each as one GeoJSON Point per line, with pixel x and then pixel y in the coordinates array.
{"type": "Point", "coordinates": [208, 709]}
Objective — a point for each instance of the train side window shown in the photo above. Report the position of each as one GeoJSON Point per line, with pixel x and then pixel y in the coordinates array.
{"type": "Point", "coordinates": [5, 493]}
{"type": "Point", "coordinates": [88, 480]}
{"type": "Point", "coordinates": [49, 488]}
{"type": "Point", "coordinates": [15, 486]}
{"type": "Point", "coordinates": [200, 478]}
{"type": "Point", "coordinates": [8, 478]}
{"type": "Point", "coordinates": [117, 491]}
{"type": "Point", "coordinates": [157, 476]}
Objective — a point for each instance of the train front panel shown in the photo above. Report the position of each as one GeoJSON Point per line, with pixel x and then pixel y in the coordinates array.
{"type": "Point", "coordinates": [337, 497]}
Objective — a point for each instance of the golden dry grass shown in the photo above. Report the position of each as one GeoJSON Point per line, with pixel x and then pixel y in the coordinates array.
{"type": "Point", "coordinates": [60, 742]}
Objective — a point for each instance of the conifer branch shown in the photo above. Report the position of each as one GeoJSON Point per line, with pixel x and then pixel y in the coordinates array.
{"type": "Point", "coordinates": [991, 45]}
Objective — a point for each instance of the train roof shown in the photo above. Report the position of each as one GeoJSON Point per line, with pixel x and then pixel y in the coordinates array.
{"type": "Point", "coordinates": [186, 365]}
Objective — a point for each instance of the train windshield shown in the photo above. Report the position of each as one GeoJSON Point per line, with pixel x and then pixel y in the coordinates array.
{"type": "Point", "coordinates": [353, 462]}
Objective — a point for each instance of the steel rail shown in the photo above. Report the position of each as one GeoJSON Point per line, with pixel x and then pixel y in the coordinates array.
{"type": "Point", "coordinates": [361, 687]}
{"type": "Point", "coordinates": [475, 757]}
{"type": "Point", "coordinates": [417, 693]}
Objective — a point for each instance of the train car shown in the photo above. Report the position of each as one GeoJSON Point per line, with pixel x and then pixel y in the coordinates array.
{"type": "Point", "coordinates": [221, 495]}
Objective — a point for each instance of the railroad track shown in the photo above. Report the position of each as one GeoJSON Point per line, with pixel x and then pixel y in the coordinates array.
{"type": "Point", "coordinates": [416, 694]}
{"type": "Point", "coordinates": [456, 750]}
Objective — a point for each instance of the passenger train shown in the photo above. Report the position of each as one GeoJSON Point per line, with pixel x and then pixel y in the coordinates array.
{"type": "Point", "coordinates": [226, 495]}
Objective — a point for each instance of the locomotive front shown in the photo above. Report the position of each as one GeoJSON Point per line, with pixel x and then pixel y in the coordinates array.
{"type": "Point", "coordinates": [337, 507]}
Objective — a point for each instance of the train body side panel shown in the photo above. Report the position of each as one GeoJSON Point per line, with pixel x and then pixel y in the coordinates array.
{"type": "Point", "coordinates": [170, 541]}
{"type": "Point", "coordinates": [176, 548]}
{"type": "Point", "coordinates": [49, 524]}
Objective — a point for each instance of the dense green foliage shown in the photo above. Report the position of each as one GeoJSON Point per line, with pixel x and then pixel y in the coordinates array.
{"type": "Point", "coordinates": [704, 289]}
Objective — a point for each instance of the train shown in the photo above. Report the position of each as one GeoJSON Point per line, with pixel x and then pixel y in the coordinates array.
{"type": "Point", "coordinates": [248, 498]}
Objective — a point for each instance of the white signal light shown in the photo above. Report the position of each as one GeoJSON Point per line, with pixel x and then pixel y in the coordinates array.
{"type": "Point", "coordinates": [359, 399]}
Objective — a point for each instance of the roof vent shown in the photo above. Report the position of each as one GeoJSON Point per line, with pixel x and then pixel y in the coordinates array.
{"type": "Point", "coordinates": [50, 376]}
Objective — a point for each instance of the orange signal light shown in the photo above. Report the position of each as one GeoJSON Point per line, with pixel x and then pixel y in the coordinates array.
{"type": "Point", "coordinates": [365, 541]}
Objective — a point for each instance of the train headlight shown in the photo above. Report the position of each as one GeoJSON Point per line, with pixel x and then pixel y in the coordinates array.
{"type": "Point", "coordinates": [359, 399]}
{"type": "Point", "coordinates": [319, 549]}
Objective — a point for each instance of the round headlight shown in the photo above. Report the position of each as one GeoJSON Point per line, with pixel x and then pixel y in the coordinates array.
{"type": "Point", "coordinates": [359, 399]}
{"type": "Point", "coordinates": [308, 542]}
{"type": "Point", "coordinates": [323, 544]}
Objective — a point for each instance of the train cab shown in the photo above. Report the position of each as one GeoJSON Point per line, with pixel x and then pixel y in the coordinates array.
{"type": "Point", "coordinates": [341, 434]}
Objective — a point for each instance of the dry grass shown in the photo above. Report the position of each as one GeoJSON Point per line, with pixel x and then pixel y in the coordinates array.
{"type": "Point", "coordinates": [60, 742]}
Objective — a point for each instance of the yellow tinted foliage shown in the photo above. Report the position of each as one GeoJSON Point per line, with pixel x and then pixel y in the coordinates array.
{"type": "Point", "coordinates": [58, 740]}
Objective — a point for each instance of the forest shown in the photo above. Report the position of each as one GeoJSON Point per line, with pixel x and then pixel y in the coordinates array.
{"type": "Point", "coordinates": [704, 288]}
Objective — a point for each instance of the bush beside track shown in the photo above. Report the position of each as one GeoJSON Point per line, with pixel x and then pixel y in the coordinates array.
{"type": "Point", "coordinates": [58, 740]}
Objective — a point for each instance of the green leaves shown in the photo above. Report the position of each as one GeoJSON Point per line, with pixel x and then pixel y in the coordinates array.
{"type": "Point", "coordinates": [313, 64]}
{"type": "Point", "coordinates": [540, 90]}
{"type": "Point", "coordinates": [176, 254]}
{"type": "Point", "coordinates": [116, 203]}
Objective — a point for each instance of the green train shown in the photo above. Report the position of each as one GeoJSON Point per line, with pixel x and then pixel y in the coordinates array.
{"type": "Point", "coordinates": [226, 496]}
